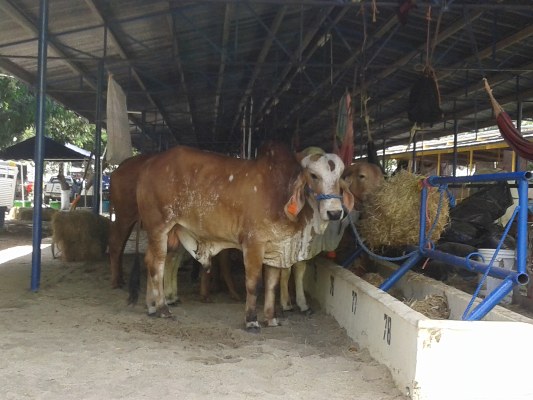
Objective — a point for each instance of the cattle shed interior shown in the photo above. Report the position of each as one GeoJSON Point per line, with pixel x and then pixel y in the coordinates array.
{"type": "Point", "coordinates": [228, 75]}
{"type": "Point", "coordinates": [200, 72]}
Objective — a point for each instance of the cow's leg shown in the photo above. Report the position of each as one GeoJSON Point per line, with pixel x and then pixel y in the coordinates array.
{"type": "Point", "coordinates": [119, 232]}
{"type": "Point", "coordinates": [224, 264]}
{"type": "Point", "coordinates": [155, 264]}
{"type": "Point", "coordinates": [170, 281]}
{"type": "Point", "coordinates": [206, 275]}
{"type": "Point", "coordinates": [285, 298]}
{"type": "Point", "coordinates": [253, 265]}
{"type": "Point", "coordinates": [299, 272]}
{"type": "Point", "coordinates": [271, 282]}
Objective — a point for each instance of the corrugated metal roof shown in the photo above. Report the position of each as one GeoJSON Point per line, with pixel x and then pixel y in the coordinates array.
{"type": "Point", "coordinates": [190, 67]}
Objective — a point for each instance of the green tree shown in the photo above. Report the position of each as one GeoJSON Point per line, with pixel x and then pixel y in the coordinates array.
{"type": "Point", "coordinates": [17, 110]}
{"type": "Point", "coordinates": [17, 118]}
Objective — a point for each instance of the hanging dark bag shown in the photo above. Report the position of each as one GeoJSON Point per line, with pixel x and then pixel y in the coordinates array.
{"type": "Point", "coordinates": [424, 99]}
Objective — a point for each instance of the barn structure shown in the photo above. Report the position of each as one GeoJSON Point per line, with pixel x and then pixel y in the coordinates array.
{"type": "Point", "coordinates": [225, 75]}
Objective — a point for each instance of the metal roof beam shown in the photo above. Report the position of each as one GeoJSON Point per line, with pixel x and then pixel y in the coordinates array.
{"type": "Point", "coordinates": [309, 35]}
{"type": "Point", "coordinates": [223, 59]}
{"type": "Point", "coordinates": [53, 44]}
{"type": "Point", "coordinates": [123, 54]}
{"type": "Point", "coordinates": [179, 66]}
{"type": "Point", "coordinates": [399, 63]}
{"type": "Point", "coordinates": [385, 28]}
{"type": "Point", "coordinates": [483, 54]}
{"type": "Point", "coordinates": [267, 44]}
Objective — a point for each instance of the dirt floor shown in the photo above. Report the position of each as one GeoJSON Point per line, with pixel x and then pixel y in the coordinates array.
{"type": "Point", "coordinates": [77, 339]}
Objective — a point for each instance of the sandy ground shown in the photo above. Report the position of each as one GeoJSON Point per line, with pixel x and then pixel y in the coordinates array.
{"type": "Point", "coordinates": [77, 339]}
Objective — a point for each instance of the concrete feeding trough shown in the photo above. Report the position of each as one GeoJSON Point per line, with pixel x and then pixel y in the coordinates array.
{"type": "Point", "coordinates": [429, 359]}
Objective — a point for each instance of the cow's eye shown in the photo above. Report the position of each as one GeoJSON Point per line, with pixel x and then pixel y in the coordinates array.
{"type": "Point", "coordinates": [314, 177]}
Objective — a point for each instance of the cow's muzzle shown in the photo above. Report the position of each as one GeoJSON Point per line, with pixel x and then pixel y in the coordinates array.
{"type": "Point", "coordinates": [333, 215]}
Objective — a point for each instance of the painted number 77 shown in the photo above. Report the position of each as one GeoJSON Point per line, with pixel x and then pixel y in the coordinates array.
{"type": "Point", "coordinates": [387, 330]}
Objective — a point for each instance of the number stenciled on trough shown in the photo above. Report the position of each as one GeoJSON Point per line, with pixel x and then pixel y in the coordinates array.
{"type": "Point", "coordinates": [354, 301]}
{"type": "Point", "coordinates": [387, 329]}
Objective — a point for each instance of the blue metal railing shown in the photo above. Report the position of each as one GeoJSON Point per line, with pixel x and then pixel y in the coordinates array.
{"type": "Point", "coordinates": [510, 279]}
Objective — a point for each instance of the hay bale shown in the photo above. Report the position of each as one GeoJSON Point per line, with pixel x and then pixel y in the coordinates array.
{"type": "Point", "coordinates": [80, 235]}
{"type": "Point", "coordinates": [433, 307]}
{"type": "Point", "coordinates": [48, 214]}
{"type": "Point", "coordinates": [26, 213]}
{"type": "Point", "coordinates": [391, 215]}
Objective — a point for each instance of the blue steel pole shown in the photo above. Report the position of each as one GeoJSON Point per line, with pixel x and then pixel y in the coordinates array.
{"type": "Point", "coordinates": [39, 148]}
{"type": "Point", "coordinates": [98, 139]}
{"type": "Point", "coordinates": [354, 255]}
{"type": "Point", "coordinates": [476, 266]}
{"type": "Point", "coordinates": [417, 256]}
{"type": "Point", "coordinates": [490, 301]}
{"type": "Point", "coordinates": [521, 238]}
{"type": "Point", "coordinates": [397, 275]}
{"type": "Point", "coordinates": [502, 176]}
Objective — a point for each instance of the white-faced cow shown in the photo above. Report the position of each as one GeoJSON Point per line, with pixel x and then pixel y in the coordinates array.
{"type": "Point", "coordinates": [363, 178]}
{"type": "Point", "coordinates": [270, 208]}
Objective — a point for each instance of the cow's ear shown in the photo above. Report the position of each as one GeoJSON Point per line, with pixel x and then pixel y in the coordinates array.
{"type": "Point", "coordinates": [296, 202]}
{"type": "Point", "coordinates": [347, 196]}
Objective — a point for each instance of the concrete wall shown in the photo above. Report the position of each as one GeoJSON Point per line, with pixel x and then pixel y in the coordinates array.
{"type": "Point", "coordinates": [429, 359]}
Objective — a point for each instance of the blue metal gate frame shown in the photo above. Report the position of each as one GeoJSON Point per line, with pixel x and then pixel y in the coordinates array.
{"type": "Point", "coordinates": [510, 279]}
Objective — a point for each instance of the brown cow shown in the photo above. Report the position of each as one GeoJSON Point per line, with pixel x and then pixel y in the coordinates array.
{"type": "Point", "coordinates": [270, 208]}
{"type": "Point", "coordinates": [123, 197]}
{"type": "Point", "coordinates": [363, 178]}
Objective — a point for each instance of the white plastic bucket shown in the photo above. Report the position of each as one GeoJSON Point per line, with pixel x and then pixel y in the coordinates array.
{"type": "Point", "coordinates": [505, 259]}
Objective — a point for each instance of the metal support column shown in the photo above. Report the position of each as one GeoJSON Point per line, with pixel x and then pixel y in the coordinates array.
{"type": "Point", "coordinates": [39, 148]}
{"type": "Point", "coordinates": [455, 134]}
{"type": "Point", "coordinates": [98, 139]}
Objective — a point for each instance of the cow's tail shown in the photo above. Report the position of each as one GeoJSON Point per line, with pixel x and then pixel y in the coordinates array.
{"type": "Point", "coordinates": [135, 273]}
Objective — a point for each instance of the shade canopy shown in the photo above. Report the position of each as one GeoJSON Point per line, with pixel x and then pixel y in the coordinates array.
{"type": "Point", "coordinates": [53, 151]}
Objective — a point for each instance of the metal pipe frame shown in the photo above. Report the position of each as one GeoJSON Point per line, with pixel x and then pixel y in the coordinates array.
{"type": "Point", "coordinates": [510, 279]}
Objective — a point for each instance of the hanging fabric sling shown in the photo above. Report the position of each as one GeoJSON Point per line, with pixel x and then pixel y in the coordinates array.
{"type": "Point", "coordinates": [424, 98]}
{"type": "Point", "coordinates": [522, 146]}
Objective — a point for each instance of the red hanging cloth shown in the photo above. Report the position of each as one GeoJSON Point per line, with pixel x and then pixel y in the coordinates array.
{"type": "Point", "coordinates": [522, 146]}
{"type": "Point", "coordinates": [344, 131]}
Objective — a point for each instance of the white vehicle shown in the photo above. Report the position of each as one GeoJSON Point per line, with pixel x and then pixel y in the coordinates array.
{"type": "Point", "coordinates": [52, 189]}
{"type": "Point", "coordinates": [8, 183]}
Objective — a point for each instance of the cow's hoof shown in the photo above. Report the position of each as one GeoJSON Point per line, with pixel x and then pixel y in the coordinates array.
{"type": "Point", "coordinates": [163, 312]}
{"type": "Point", "coordinates": [253, 327]}
{"type": "Point", "coordinates": [272, 323]}
{"type": "Point", "coordinates": [288, 309]}
{"type": "Point", "coordinates": [307, 312]}
{"type": "Point", "coordinates": [174, 302]}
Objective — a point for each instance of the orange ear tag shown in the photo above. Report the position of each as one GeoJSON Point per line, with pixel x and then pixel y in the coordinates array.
{"type": "Point", "coordinates": [292, 208]}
